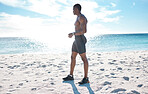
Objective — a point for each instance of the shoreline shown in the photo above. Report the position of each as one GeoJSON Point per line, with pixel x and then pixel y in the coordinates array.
{"type": "Point", "coordinates": [69, 52]}
{"type": "Point", "coordinates": [109, 72]}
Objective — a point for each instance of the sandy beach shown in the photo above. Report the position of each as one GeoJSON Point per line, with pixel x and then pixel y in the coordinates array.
{"type": "Point", "coordinates": [109, 72]}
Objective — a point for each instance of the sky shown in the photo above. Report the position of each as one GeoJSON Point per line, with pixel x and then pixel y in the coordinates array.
{"type": "Point", "coordinates": [54, 18]}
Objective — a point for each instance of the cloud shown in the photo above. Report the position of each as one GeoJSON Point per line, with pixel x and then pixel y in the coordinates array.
{"type": "Point", "coordinates": [104, 15]}
{"type": "Point", "coordinates": [14, 3]}
{"type": "Point", "coordinates": [61, 18]}
{"type": "Point", "coordinates": [47, 7]}
{"type": "Point", "coordinates": [115, 19]}
{"type": "Point", "coordinates": [24, 26]}
{"type": "Point", "coordinates": [113, 4]}
{"type": "Point", "coordinates": [54, 8]}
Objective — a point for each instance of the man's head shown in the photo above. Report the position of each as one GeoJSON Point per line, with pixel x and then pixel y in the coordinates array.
{"type": "Point", "coordinates": [76, 9]}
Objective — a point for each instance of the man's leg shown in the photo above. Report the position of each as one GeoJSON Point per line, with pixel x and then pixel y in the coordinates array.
{"type": "Point", "coordinates": [73, 62]}
{"type": "Point", "coordinates": [84, 59]}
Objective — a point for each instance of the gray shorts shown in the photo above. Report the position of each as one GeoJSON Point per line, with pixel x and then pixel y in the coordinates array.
{"type": "Point", "coordinates": [79, 44]}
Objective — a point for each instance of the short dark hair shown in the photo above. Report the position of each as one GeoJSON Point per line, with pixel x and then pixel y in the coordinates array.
{"type": "Point", "coordinates": [77, 6]}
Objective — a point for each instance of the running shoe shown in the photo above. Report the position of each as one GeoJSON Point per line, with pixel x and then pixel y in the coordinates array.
{"type": "Point", "coordinates": [84, 81]}
{"type": "Point", "coordinates": [69, 77]}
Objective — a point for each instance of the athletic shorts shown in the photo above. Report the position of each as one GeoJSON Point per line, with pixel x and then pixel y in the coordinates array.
{"type": "Point", "coordinates": [79, 44]}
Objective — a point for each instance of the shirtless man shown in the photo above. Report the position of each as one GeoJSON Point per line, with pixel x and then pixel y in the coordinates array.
{"type": "Point", "coordinates": [78, 46]}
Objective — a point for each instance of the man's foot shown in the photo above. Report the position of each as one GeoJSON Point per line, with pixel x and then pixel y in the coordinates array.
{"type": "Point", "coordinates": [69, 77]}
{"type": "Point", "coordinates": [84, 81]}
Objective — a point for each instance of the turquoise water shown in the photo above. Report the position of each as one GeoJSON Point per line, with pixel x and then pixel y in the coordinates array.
{"type": "Point", "coordinates": [15, 45]}
{"type": "Point", "coordinates": [101, 43]}
{"type": "Point", "coordinates": [119, 42]}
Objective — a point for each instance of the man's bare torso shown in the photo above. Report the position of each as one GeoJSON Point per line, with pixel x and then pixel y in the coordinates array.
{"type": "Point", "coordinates": [81, 23]}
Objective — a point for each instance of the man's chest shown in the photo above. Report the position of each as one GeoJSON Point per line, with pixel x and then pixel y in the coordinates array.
{"type": "Point", "coordinates": [77, 23]}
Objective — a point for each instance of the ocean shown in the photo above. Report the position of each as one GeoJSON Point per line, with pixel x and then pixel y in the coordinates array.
{"type": "Point", "coordinates": [100, 43]}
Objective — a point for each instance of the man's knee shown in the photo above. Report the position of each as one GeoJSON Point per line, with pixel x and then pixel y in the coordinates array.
{"type": "Point", "coordinates": [73, 58]}
{"type": "Point", "coordinates": [84, 59]}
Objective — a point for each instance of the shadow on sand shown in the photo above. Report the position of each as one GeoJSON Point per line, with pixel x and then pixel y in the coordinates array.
{"type": "Point", "coordinates": [88, 87]}
{"type": "Point", "coordinates": [75, 90]}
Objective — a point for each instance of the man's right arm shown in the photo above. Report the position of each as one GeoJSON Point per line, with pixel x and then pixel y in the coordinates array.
{"type": "Point", "coordinates": [82, 29]}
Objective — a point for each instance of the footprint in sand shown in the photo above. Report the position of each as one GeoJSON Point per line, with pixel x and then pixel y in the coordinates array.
{"type": "Point", "coordinates": [112, 63]}
{"type": "Point", "coordinates": [49, 72]}
{"type": "Point", "coordinates": [15, 66]}
{"type": "Point", "coordinates": [140, 85]}
{"type": "Point", "coordinates": [137, 68]}
{"type": "Point", "coordinates": [107, 83]}
{"type": "Point", "coordinates": [126, 78]}
{"type": "Point", "coordinates": [114, 60]}
{"type": "Point", "coordinates": [119, 68]}
{"type": "Point", "coordinates": [34, 89]}
{"type": "Point", "coordinates": [135, 92]}
{"type": "Point", "coordinates": [52, 83]}
{"type": "Point", "coordinates": [102, 69]}
{"type": "Point", "coordinates": [98, 88]}
{"type": "Point", "coordinates": [122, 62]}
{"type": "Point", "coordinates": [20, 84]}
{"type": "Point", "coordinates": [118, 90]}
{"type": "Point", "coordinates": [112, 73]}
{"type": "Point", "coordinates": [11, 91]}
{"type": "Point", "coordinates": [23, 63]}
{"type": "Point", "coordinates": [1, 67]}
{"type": "Point", "coordinates": [43, 66]}
{"type": "Point", "coordinates": [101, 63]}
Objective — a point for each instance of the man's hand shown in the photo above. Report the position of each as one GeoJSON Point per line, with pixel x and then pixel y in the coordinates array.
{"type": "Point", "coordinates": [70, 35]}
